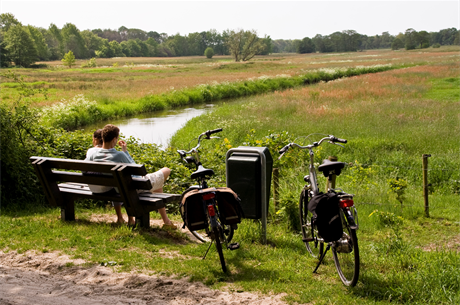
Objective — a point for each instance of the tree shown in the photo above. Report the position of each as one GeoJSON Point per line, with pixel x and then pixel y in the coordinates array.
{"type": "Point", "coordinates": [40, 43]}
{"type": "Point", "coordinates": [4, 56]}
{"type": "Point", "coordinates": [268, 45]}
{"type": "Point", "coordinates": [69, 59]}
{"type": "Point", "coordinates": [243, 45]}
{"type": "Point", "coordinates": [73, 41]}
{"type": "Point", "coordinates": [305, 46]}
{"type": "Point", "coordinates": [209, 52]}
{"type": "Point", "coordinates": [411, 36]}
{"type": "Point", "coordinates": [423, 39]}
{"type": "Point", "coordinates": [7, 20]}
{"type": "Point", "coordinates": [20, 46]}
{"type": "Point", "coordinates": [397, 44]}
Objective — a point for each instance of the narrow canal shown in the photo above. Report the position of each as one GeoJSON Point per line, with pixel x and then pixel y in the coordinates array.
{"type": "Point", "coordinates": [155, 127]}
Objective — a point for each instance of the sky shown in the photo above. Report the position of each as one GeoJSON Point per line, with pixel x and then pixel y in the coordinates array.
{"type": "Point", "coordinates": [278, 19]}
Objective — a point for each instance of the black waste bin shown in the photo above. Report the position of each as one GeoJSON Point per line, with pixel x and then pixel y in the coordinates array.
{"type": "Point", "coordinates": [245, 169]}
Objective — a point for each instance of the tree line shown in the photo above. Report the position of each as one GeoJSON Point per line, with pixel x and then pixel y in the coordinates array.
{"type": "Point", "coordinates": [24, 45]}
{"type": "Point", "coordinates": [350, 40]}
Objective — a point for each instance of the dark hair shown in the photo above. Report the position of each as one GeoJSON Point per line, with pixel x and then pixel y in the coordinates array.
{"type": "Point", "coordinates": [110, 132]}
{"type": "Point", "coordinates": [98, 136]}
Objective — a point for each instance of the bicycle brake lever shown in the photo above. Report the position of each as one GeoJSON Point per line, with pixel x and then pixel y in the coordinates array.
{"type": "Point", "coordinates": [279, 158]}
{"type": "Point", "coordinates": [336, 144]}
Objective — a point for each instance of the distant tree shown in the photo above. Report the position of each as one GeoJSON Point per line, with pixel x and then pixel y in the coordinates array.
{"type": "Point", "coordinates": [305, 46]}
{"type": "Point", "coordinates": [55, 42]}
{"type": "Point", "coordinates": [397, 44]}
{"type": "Point", "coordinates": [268, 45]}
{"type": "Point", "coordinates": [43, 52]}
{"type": "Point", "coordinates": [20, 46]}
{"type": "Point", "coordinates": [69, 59]}
{"type": "Point", "coordinates": [93, 42]}
{"type": "Point", "coordinates": [73, 41]}
{"type": "Point", "coordinates": [4, 56]}
{"type": "Point", "coordinates": [209, 52]}
{"type": "Point", "coordinates": [7, 20]}
{"type": "Point", "coordinates": [423, 39]}
{"type": "Point", "coordinates": [457, 39]}
{"type": "Point", "coordinates": [116, 48]}
{"type": "Point", "coordinates": [243, 45]}
{"type": "Point", "coordinates": [411, 37]}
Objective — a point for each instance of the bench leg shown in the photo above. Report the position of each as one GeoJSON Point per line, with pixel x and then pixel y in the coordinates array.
{"type": "Point", "coordinates": [143, 220]}
{"type": "Point", "coordinates": [68, 213]}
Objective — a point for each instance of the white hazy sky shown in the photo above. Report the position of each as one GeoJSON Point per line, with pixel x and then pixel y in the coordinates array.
{"type": "Point", "coordinates": [279, 19]}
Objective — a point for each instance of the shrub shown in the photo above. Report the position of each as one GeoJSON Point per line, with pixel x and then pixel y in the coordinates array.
{"type": "Point", "coordinates": [209, 52]}
{"type": "Point", "coordinates": [90, 64]}
{"type": "Point", "coordinates": [436, 45]}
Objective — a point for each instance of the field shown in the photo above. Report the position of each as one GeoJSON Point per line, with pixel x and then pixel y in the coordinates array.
{"type": "Point", "coordinates": [389, 118]}
{"type": "Point", "coordinates": [135, 78]}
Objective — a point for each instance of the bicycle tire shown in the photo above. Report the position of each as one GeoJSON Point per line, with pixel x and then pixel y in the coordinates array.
{"type": "Point", "coordinates": [347, 263]}
{"type": "Point", "coordinates": [202, 236]}
{"type": "Point", "coordinates": [219, 248]}
{"type": "Point", "coordinates": [314, 248]}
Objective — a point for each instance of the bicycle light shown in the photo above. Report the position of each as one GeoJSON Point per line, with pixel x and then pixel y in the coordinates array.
{"type": "Point", "coordinates": [211, 210]}
{"type": "Point", "coordinates": [346, 203]}
{"type": "Point", "coordinates": [209, 196]}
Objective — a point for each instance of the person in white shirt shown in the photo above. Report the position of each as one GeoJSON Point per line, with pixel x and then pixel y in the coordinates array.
{"type": "Point", "coordinates": [108, 153]}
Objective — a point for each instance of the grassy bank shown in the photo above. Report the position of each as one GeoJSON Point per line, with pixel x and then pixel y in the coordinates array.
{"type": "Point", "coordinates": [80, 111]}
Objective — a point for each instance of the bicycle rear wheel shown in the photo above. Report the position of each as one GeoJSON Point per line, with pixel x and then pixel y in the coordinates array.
{"type": "Point", "coordinates": [316, 246]}
{"type": "Point", "coordinates": [346, 255]}
{"type": "Point", "coordinates": [202, 236]}
{"type": "Point", "coordinates": [217, 237]}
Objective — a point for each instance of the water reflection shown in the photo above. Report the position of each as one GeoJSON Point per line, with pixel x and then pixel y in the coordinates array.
{"type": "Point", "coordinates": [156, 127]}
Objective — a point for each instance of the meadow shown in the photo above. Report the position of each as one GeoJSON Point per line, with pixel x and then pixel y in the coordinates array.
{"type": "Point", "coordinates": [389, 118]}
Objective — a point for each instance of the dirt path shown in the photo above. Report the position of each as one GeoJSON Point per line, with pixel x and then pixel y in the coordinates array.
{"type": "Point", "coordinates": [50, 278]}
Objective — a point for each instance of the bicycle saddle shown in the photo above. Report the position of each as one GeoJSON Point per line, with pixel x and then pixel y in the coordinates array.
{"type": "Point", "coordinates": [201, 172]}
{"type": "Point", "coordinates": [329, 166]}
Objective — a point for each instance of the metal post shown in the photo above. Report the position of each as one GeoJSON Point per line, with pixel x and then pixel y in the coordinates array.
{"type": "Point", "coordinates": [264, 211]}
{"type": "Point", "coordinates": [425, 183]}
{"type": "Point", "coordinates": [275, 187]}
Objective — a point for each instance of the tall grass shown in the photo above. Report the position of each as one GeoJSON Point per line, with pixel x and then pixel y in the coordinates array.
{"type": "Point", "coordinates": [390, 119]}
{"type": "Point", "coordinates": [79, 111]}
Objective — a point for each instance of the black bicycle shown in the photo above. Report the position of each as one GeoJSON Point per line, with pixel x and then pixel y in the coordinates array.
{"type": "Point", "coordinates": [345, 248]}
{"type": "Point", "coordinates": [210, 214]}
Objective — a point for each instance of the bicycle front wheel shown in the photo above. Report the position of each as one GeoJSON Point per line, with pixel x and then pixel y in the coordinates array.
{"type": "Point", "coordinates": [314, 245]}
{"type": "Point", "coordinates": [346, 255]}
{"type": "Point", "coordinates": [219, 248]}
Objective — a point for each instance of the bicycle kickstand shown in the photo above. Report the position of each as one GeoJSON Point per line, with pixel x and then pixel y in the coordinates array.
{"type": "Point", "coordinates": [210, 244]}
{"type": "Point", "coordinates": [322, 257]}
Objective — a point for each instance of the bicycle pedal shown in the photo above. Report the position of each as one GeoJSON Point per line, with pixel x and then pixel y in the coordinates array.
{"type": "Point", "coordinates": [233, 246]}
{"type": "Point", "coordinates": [307, 240]}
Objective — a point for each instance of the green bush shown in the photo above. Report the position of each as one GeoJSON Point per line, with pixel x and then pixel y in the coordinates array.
{"type": "Point", "coordinates": [436, 45]}
{"type": "Point", "coordinates": [209, 52]}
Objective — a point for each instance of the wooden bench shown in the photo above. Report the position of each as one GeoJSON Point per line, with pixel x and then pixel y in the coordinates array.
{"type": "Point", "coordinates": [65, 180]}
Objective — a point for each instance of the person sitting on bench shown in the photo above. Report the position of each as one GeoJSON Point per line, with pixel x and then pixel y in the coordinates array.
{"type": "Point", "coordinates": [108, 153]}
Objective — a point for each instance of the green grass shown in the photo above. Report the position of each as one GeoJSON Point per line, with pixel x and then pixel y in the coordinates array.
{"type": "Point", "coordinates": [395, 268]}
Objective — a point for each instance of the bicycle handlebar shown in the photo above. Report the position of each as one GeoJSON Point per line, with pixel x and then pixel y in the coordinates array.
{"type": "Point", "coordinates": [207, 135]}
{"type": "Point", "coordinates": [210, 132]}
{"type": "Point", "coordinates": [329, 138]}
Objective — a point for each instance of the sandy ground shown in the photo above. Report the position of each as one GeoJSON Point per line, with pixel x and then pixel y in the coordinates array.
{"type": "Point", "coordinates": [50, 278]}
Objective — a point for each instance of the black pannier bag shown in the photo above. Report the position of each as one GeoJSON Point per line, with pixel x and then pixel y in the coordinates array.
{"type": "Point", "coordinates": [229, 206]}
{"type": "Point", "coordinates": [326, 216]}
{"type": "Point", "coordinates": [193, 208]}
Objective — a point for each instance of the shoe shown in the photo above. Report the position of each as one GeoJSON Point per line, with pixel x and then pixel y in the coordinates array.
{"type": "Point", "coordinates": [169, 226]}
